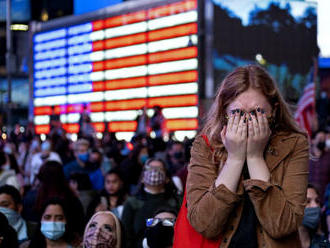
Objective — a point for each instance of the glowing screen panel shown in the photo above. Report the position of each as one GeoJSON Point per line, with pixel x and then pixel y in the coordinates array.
{"type": "Point", "coordinates": [117, 65]}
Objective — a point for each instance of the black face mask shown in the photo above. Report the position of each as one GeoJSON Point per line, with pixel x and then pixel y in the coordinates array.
{"type": "Point", "coordinates": [178, 155]}
{"type": "Point", "coordinates": [159, 236]}
{"type": "Point", "coordinates": [321, 145]}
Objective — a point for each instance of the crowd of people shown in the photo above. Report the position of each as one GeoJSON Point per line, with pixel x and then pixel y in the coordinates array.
{"type": "Point", "coordinates": [113, 193]}
{"type": "Point", "coordinates": [60, 193]}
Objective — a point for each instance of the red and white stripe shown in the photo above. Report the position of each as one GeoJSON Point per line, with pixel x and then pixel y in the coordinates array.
{"type": "Point", "coordinates": [305, 112]}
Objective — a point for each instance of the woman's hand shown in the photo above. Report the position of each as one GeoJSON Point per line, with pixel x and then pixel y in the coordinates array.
{"type": "Point", "coordinates": [234, 136]}
{"type": "Point", "coordinates": [258, 134]}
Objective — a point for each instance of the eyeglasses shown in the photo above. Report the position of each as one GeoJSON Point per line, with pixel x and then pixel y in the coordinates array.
{"type": "Point", "coordinates": [165, 222]}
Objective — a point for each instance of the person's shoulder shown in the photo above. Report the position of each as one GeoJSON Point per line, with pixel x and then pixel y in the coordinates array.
{"type": "Point", "coordinates": [134, 202]}
{"type": "Point", "coordinates": [202, 143]}
{"type": "Point", "coordinates": [290, 141]}
{"type": "Point", "coordinates": [290, 137]}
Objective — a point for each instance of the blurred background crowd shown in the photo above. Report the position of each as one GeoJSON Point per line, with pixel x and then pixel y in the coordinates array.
{"type": "Point", "coordinates": [135, 180]}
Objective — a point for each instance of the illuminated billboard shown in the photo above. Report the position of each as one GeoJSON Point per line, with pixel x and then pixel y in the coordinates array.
{"type": "Point", "coordinates": [116, 65]}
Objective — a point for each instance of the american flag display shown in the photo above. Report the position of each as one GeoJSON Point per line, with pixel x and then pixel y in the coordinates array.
{"type": "Point", "coordinates": [117, 65]}
{"type": "Point", "coordinates": [305, 112]}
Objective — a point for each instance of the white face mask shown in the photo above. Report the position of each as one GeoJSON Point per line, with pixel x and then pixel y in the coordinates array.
{"type": "Point", "coordinates": [327, 143]}
{"type": "Point", "coordinates": [6, 167]}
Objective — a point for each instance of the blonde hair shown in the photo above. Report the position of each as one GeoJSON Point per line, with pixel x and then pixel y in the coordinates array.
{"type": "Point", "coordinates": [117, 228]}
{"type": "Point", "coordinates": [81, 142]}
{"type": "Point", "coordinates": [235, 83]}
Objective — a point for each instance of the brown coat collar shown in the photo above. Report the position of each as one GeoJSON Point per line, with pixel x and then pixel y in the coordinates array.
{"type": "Point", "coordinates": [279, 148]}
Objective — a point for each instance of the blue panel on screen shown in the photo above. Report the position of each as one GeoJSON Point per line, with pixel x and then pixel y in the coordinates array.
{"type": "Point", "coordinates": [324, 62]}
{"type": "Point", "coordinates": [20, 10]}
{"type": "Point", "coordinates": [83, 6]}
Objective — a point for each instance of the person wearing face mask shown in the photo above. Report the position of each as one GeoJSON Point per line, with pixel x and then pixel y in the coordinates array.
{"type": "Point", "coordinates": [319, 169]}
{"type": "Point", "coordinates": [310, 233]}
{"type": "Point", "coordinates": [175, 158]}
{"type": "Point", "coordinates": [85, 162]}
{"type": "Point", "coordinates": [103, 230]}
{"type": "Point", "coordinates": [38, 159]}
{"type": "Point", "coordinates": [54, 185]}
{"type": "Point", "coordinates": [114, 193]}
{"type": "Point", "coordinates": [8, 236]}
{"type": "Point", "coordinates": [154, 191]}
{"type": "Point", "coordinates": [11, 206]}
{"type": "Point", "coordinates": [55, 227]}
{"type": "Point", "coordinates": [7, 175]}
{"type": "Point", "coordinates": [160, 229]}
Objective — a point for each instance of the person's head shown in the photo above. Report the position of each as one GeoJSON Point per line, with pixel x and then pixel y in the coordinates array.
{"type": "Point", "coordinates": [46, 147]}
{"type": "Point", "coordinates": [319, 140]}
{"type": "Point", "coordinates": [176, 151]}
{"type": "Point", "coordinates": [10, 198]}
{"type": "Point", "coordinates": [113, 182]}
{"type": "Point", "coordinates": [160, 228]}
{"type": "Point", "coordinates": [157, 109]}
{"type": "Point", "coordinates": [95, 157]}
{"type": "Point", "coordinates": [51, 172]}
{"type": "Point", "coordinates": [4, 161]}
{"type": "Point", "coordinates": [55, 223]}
{"type": "Point", "coordinates": [154, 173]}
{"type": "Point", "coordinates": [80, 181]}
{"type": "Point", "coordinates": [312, 214]}
{"type": "Point", "coordinates": [81, 150]}
{"type": "Point", "coordinates": [8, 235]}
{"type": "Point", "coordinates": [143, 155]}
{"type": "Point", "coordinates": [102, 230]}
{"type": "Point", "coordinates": [52, 183]}
{"type": "Point", "coordinates": [313, 197]}
{"type": "Point", "coordinates": [248, 88]}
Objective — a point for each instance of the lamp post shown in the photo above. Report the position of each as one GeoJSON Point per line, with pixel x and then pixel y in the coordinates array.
{"type": "Point", "coordinates": [9, 68]}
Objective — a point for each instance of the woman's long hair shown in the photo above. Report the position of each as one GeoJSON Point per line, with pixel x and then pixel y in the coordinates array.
{"type": "Point", "coordinates": [52, 184]}
{"type": "Point", "coordinates": [235, 83]}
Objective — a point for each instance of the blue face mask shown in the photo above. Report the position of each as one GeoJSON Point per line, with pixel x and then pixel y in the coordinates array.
{"type": "Point", "coordinates": [144, 158]}
{"type": "Point", "coordinates": [16, 221]}
{"type": "Point", "coordinates": [11, 215]}
{"type": "Point", "coordinates": [53, 230]}
{"type": "Point", "coordinates": [312, 217]}
{"type": "Point", "coordinates": [83, 157]}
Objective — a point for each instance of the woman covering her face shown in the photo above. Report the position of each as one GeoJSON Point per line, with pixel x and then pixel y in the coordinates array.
{"type": "Point", "coordinates": [103, 230]}
{"type": "Point", "coordinates": [248, 185]}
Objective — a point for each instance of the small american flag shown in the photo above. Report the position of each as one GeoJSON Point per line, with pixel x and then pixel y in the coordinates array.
{"type": "Point", "coordinates": [305, 113]}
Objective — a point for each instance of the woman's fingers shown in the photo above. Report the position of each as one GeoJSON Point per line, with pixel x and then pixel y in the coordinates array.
{"type": "Point", "coordinates": [242, 128]}
{"type": "Point", "coordinates": [231, 118]}
{"type": "Point", "coordinates": [245, 126]}
{"type": "Point", "coordinates": [255, 124]}
{"type": "Point", "coordinates": [250, 126]}
{"type": "Point", "coordinates": [236, 121]}
{"type": "Point", "coordinates": [223, 134]}
{"type": "Point", "coordinates": [261, 121]}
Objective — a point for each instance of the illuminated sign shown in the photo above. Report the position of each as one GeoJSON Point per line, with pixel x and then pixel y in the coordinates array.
{"type": "Point", "coordinates": [117, 65]}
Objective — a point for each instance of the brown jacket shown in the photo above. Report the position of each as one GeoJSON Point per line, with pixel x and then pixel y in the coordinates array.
{"type": "Point", "coordinates": [279, 204]}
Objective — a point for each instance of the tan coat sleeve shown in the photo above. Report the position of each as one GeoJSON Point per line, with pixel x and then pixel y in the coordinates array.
{"type": "Point", "coordinates": [280, 209]}
{"type": "Point", "coordinates": [208, 206]}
